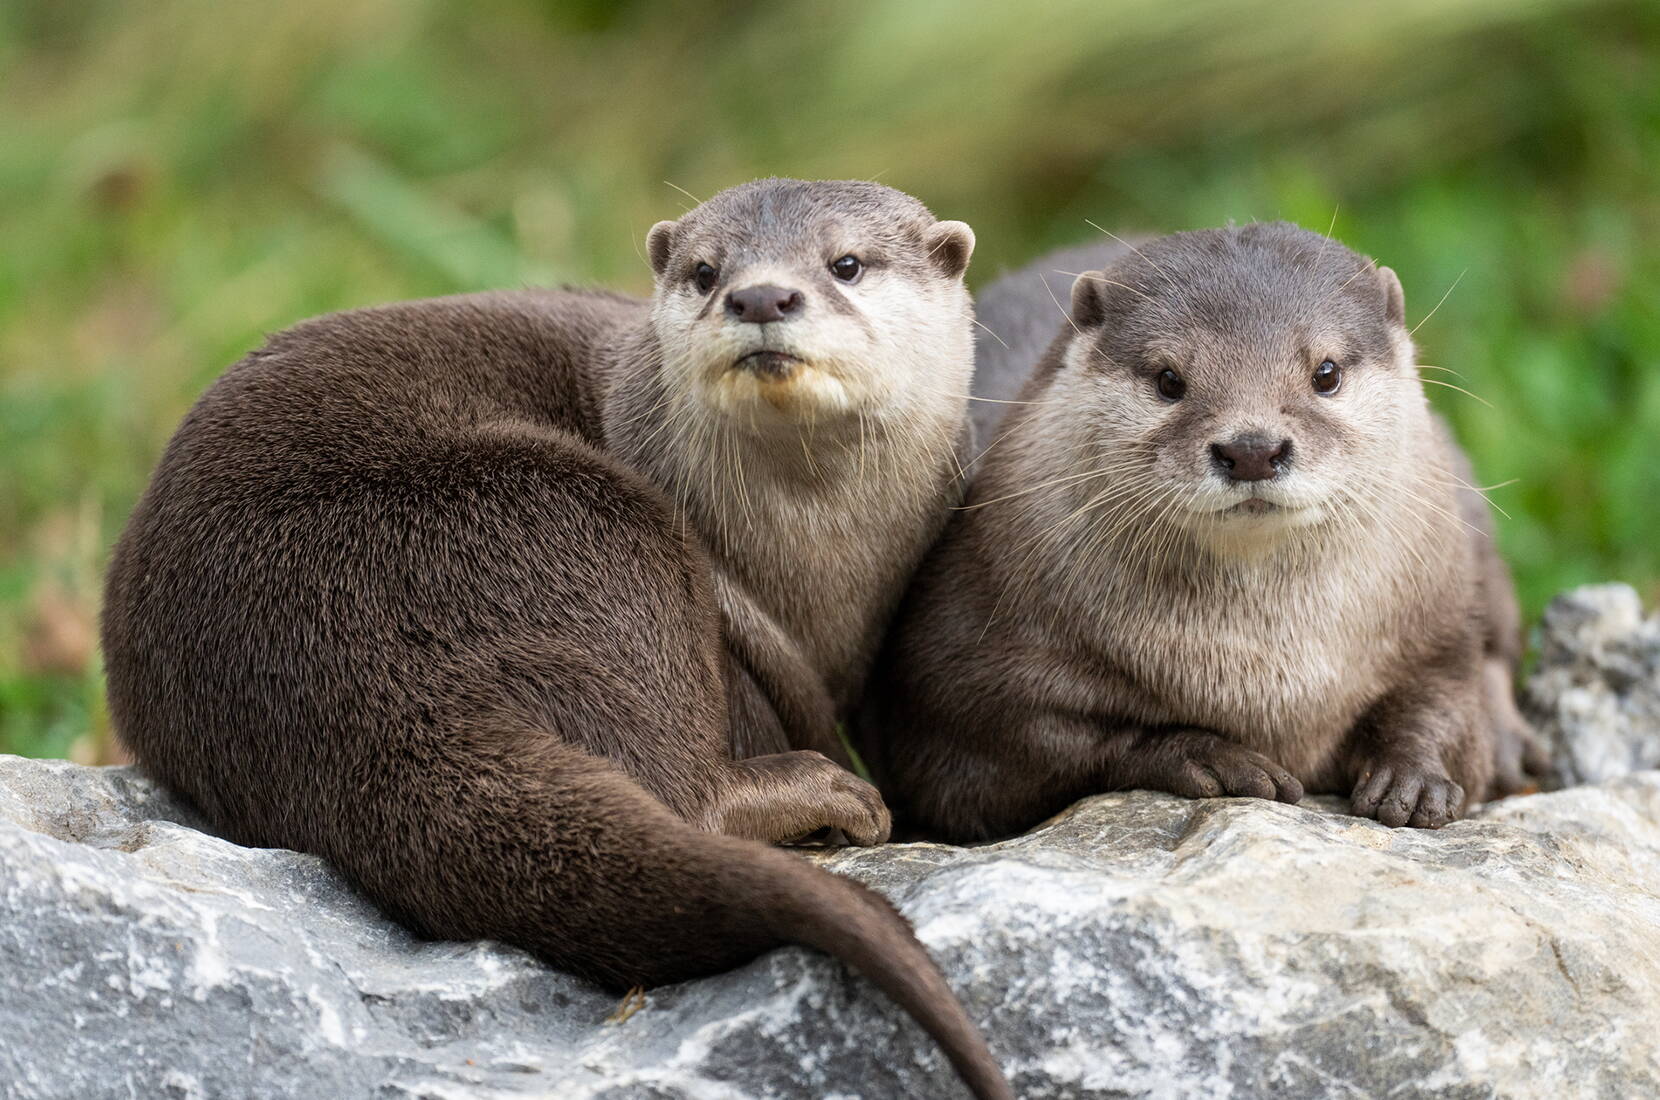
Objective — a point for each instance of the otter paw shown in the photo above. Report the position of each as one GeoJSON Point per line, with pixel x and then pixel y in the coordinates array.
{"type": "Point", "coordinates": [1400, 793]}
{"type": "Point", "coordinates": [1222, 769]}
{"type": "Point", "coordinates": [841, 800]}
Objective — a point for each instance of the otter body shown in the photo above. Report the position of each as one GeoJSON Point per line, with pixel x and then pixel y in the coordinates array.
{"type": "Point", "coordinates": [415, 588]}
{"type": "Point", "coordinates": [1219, 547]}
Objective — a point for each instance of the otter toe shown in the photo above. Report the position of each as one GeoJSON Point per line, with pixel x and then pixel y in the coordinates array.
{"type": "Point", "coordinates": [1403, 795]}
{"type": "Point", "coordinates": [1369, 790]}
{"type": "Point", "coordinates": [1440, 803]}
{"type": "Point", "coordinates": [861, 814]}
{"type": "Point", "coordinates": [1197, 781]}
{"type": "Point", "coordinates": [1229, 771]}
{"type": "Point", "coordinates": [1400, 800]}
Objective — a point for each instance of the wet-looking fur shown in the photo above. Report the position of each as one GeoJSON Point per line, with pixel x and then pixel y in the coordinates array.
{"type": "Point", "coordinates": [1220, 547]}
{"type": "Point", "coordinates": [425, 590]}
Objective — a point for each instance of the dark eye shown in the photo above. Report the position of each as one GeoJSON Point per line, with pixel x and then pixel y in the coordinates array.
{"type": "Point", "coordinates": [704, 277]}
{"type": "Point", "coordinates": [847, 269]}
{"type": "Point", "coordinates": [1327, 377]}
{"type": "Point", "coordinates": [1170, 385]}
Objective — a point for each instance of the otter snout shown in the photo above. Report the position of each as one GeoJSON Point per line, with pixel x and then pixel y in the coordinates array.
{"type": "Point", "coordinates": [763, 304]}
{"type": "Point", "coordinates": [1251, 457]}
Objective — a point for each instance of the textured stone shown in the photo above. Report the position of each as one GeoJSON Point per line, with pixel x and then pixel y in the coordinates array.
{"type": "Point", "coordinates": [1137, 945]}
{"type": "Point", "coordinates": [1596, 691]}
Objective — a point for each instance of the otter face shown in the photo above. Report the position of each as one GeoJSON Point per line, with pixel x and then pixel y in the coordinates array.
{"type": "Point", "coordinates": [1242, 383]}
{"type": "Point", "coordinates": [784, 302]}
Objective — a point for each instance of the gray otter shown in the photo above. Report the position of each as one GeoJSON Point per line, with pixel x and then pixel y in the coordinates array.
{"type": "Point", "coordinates": [397, 595]}
{"type": "Point", "coordinates": [1222, 547]}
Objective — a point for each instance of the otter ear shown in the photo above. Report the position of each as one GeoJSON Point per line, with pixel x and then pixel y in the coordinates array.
{"type": "Point", "coordinates": [659, 242]}
{"type": "Point", "coordinates": [1089, 303]}
{"type": "Point", "coordinates": [1394, 297]}
{"type": "Point", "coordinates": [949, 245]}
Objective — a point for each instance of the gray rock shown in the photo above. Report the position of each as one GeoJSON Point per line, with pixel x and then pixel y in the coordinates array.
{"type": "Point", "coordinates": [1596, 690]}
{"type": "Point", "coordinates": [1138, 945]}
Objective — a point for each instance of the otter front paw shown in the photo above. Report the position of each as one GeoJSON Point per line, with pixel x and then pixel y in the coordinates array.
{"type": "Point", "coordinates": [852, 806]}
{"type": "Point", "coordinates": [1406, 792]}
{"type": "Point", "coordinates": [1202, 765]}
{"type": "Point", "coordinates": [803, 793]}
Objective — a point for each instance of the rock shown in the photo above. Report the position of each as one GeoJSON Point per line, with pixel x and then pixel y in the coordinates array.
{"type": "Point", "coordinates": [1139, 944]}
{"type": "Point", "coordinates": [1596, 691]}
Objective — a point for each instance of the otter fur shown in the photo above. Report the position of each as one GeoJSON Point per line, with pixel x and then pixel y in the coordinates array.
{"type": "Point", "coordinates": [1218, 546]}
{"type": "Point", "coordinates": [441, 591]}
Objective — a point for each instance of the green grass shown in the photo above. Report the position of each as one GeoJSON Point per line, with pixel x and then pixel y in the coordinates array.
{"type": "Point", "coordinates": [178, 177]}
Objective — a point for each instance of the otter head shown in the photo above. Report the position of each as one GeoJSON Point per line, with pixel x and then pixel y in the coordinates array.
{"type": "Point", "coordinates": [784, 301]}
{"type": "Point", "coordinates": [1245, 384]}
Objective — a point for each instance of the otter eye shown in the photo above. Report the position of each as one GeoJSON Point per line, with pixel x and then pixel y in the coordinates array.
{"type": "Point", "coordinates": [847, 269]}
{"type": "Point", "coordinates": [1327, 377]}
{"type": "Point", "coordinates": [1170, 385]}
{"type": "Point", "coordinates": [703, 277]}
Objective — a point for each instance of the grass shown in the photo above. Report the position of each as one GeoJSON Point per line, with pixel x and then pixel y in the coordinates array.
{"type": "Point", "coordinates": [179, 177]}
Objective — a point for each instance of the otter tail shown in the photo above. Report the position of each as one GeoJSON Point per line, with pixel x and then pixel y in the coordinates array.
{"type": "Point", "coordinates": [860, 927]}
{"type": "Point", "coordinates": [558, 851]}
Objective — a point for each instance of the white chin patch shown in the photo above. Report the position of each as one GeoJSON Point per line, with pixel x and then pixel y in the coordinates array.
{"type": "Point", "coordinates": [802, 391]}
{"type": "Point", "coordinates": [1252, 517]}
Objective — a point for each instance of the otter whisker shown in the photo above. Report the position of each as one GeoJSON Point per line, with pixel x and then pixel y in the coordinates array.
{"type": "Point", "coordinates": [1460, 389]}
{"type": "Point", "coordinates": [1480, 491]}
{"type": "Point", "coordinates": [1413, 330]}
{"type": "Point", "coordinates": [1033, 489]}
{"type": "Point", "coordinates": [1154, 264]}
{"type": "Point", "coordinates": [1030, 547]}
{"type": "Point", "coordinates": [1440, 509]}
{"type": "Point", "coordinates": [976, 397]}
{"type": "Point", "coordinates": [993, 335]}
{"type": "Point", "coordinates": [1369, 265]}
{"type": "Point", "coordinates": [1067, 313]}
{"type": "Point", "coordinates": [683, 191]}
{"type": "Point", "coordinates": [1096, 278]}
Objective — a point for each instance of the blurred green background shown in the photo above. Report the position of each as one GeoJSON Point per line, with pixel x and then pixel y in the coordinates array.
{"type": "Point", "coordinates": [178, 177]}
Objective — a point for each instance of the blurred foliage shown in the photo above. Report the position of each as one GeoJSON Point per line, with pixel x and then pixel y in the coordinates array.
{"type": "Point", "coordinates": [178, 177]}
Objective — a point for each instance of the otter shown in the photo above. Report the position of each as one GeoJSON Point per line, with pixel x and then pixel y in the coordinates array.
{"type": "Point", "coordinates": [1220, 546]}
{"type": "Point", "coordinates": [470, 597]}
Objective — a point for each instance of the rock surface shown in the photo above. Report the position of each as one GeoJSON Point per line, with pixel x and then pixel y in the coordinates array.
{"type": "Point", "coordinates": [1596, 692]}
{"type": "Point", "coordinates": [1137, 945]}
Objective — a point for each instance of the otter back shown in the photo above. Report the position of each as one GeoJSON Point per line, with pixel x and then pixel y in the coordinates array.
{"type": "Point", "coordinates": [393, 598]}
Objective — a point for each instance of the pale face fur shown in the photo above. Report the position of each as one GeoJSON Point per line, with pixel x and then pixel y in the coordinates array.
{"type": "Point", "coordinates": [883, 346]}
{"type": "Point", "coordinates": [1244, 365]}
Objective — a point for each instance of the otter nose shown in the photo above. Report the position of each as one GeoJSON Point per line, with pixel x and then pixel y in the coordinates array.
{"type": "Point", "coordinates": [1251, 457]}
{"type": "Point", "coordinates": [761, 304]}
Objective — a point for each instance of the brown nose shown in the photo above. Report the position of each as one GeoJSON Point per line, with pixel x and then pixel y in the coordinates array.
{"type": "Point", "coordinates": [760, 304]}
{"type": "Point", "coordinates": [1251, 457]}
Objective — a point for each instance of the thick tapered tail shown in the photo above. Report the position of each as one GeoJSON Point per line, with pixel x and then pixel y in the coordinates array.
{"type": "Point", "coordinates": [560, 852]}
{"type": "Point", "coordinates": [860, 927]}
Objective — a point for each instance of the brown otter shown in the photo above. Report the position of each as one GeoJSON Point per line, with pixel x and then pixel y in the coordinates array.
{"type": "Point", "coordinates": [410, 589]}
{"type": "Point", "coordinates": [1221, 547]}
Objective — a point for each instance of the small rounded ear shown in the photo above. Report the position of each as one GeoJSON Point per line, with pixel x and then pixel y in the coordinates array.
{"type": "Point", "coordinates": [949, 245]}
{"type": "Point", "coordinates": [1394, 305]}
{"type": "Point", "coordinates": [1089, 304]}
{"type": "Point", "coordinates": [659, 243]}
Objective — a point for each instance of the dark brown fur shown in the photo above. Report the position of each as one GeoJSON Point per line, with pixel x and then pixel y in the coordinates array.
{"type": "Point", "coordinates": [1068, 636]}
{"type": "Point", "coordinates": [389, 598]}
